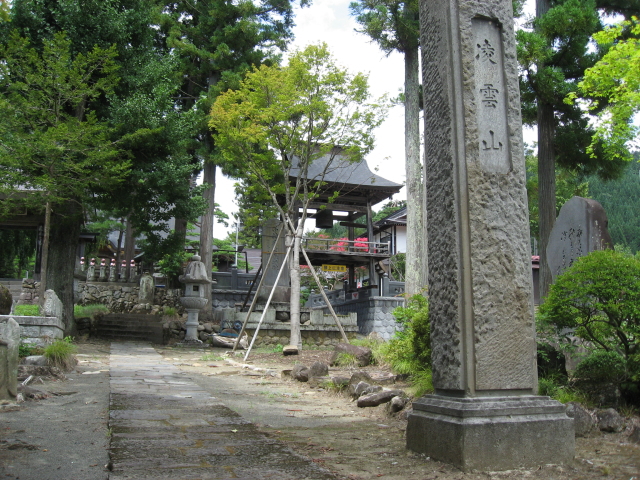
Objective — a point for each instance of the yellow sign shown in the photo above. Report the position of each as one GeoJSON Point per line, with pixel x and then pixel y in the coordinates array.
{"type": "Point", "coordinates": [334, 268]}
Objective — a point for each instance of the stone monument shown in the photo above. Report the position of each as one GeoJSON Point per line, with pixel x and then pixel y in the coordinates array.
{"type": "Point", "coordinates": [147, 289]}
{"type": "Point", "coordinates": [269, 239]}
{"type": "Point", "coordinates": [580, 229]}
{"type": "Point", "coordinates": [52, 305]}
{"type": "Point", "coordinates": [485, 413]}
{"type": "Point", "coordinates": [9, 344]}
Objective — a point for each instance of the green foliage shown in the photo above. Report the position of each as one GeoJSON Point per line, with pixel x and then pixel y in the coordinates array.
{"type": "Point", "coordinates": [621, 201]}
{"type": "Point", "coordinates": [84, 311]}
{"type": "Point", "coordinates": [17, 252]}
{"type": "Point", "coordinates": [409, 351]}
{"type": "Point", "coordinates": [568, 185]}
{"type": "Point", "coordinates": [27, 310]}
{"type": "Point", "coordinates": [27, 349]}
{"type": "Point", "coordinates": [393, 24]}
{"type": "Point", "coordinates": [398, 264]}
{"type": "Point", "coordinates": [169, 311]}
{"type": "Point", "coordinates": [348, 360]}
{"type": "Point", "coordinates": [304, 110]}
{"type": "Point", "coordinates": [388, 208]}
{"type": "Point", "coordinates": [558, 389]}
{"type": "Point", "coordinates": [414, 319]}
{"type": "Point", "coordinates": [598, 298]}
{"type": "Point", "coordinates": [51, 140]}
{"type": "Point", "coordinates": [211, 357]}
{"type": "Point", "coordinates": [60, 353]}
{"type": "Point", "coordinates": [601, 367]}
{"type": "Point", "coordinates": [612, 88]}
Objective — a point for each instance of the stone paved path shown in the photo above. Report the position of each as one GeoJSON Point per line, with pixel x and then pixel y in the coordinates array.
{"type": "Point", "coordinates": [164, 426]}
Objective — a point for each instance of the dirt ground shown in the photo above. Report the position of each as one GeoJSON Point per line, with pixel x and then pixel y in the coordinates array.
{"type": "Point", "coordinates": [354, 443]}
{"type": "Point", "coordinates": [363, 443]}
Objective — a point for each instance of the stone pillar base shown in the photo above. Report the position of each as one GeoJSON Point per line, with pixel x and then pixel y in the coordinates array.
{"type": "Point", "coordinates": [491, 433]}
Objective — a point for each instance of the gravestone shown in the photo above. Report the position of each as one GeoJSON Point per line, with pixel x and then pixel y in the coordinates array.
{"type": "Point", "coordinates": [52, 305]}
{"type": "Point", "coordinates": [6, 300]}
{"type": "Point", "coordinates": [147, 289]}
{"type": "Point", "coordinates": [580, 229]}
{"type": "Point", "coordinates": [485, 413]}
{"type": "Point", "coordinates": [9, 343]}
{"type": "Point", "coordinates": [269, 239]}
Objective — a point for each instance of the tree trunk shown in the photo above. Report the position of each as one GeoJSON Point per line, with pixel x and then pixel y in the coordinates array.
{"type": "Point", "coordinates": [63, 245]}
{"type": "Point", "coordinates": [45, 252]}
{"type": "Point", "coordinates": [294, 267]}
{"type": "Point", "coordinates": [546, 174]}
{"type": "Point", "coordinates": [416, 262]}
{"type": "Point", "coordinates": [206, 234]}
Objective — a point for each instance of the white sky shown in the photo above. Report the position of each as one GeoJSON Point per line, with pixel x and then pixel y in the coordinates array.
{"type": "Point", "coordinates": [329, 21]}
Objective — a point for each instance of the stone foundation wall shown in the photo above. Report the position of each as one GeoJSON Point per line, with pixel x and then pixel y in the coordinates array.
{"type": "Point", "coordinates": [224, 300]}
{"type": "Point", "coordinates": [375, 314]}
{"type": "Point", "coordinates": [318, 330]}
{"type": "Point", "coordinates": [123, 297]}
{"type": "Point", "coordinates": [39, 331]}
{"type": "Point", "coordinates": [321, 339]}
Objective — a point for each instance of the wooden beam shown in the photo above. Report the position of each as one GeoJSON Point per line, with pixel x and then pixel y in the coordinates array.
{"type": "Point", "coordinates": [338, 207]}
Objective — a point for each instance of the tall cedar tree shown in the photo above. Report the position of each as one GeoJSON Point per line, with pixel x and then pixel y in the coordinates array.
{"type": "Point", "coordinates": [217, 42]}
{"type": "Point", "coordinates": [553, 58]}
{"type": "Point", "coordinates": [139, 111]}
{"type": "Point", "coordinates": [394, 26]}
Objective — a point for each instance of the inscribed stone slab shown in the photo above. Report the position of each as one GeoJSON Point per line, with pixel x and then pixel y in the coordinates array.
{"type": "Point", "coordinates": [580, 229]}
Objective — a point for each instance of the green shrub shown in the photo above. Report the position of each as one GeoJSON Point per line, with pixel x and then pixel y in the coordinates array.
{"type": "Point", "coordinates": [84, 311]}
{"type": "Point", "coordinates": [409, 351]}
{"type": "Point", "coordinates": [598, 300]}
{"type": "Point", "coordinates": [558, 389]}
{"type": "Point", "coordinates": [601, 367]}
{"type": "Point", "coordinates": [61, 353]}
{"type": "Point", "coordinates": [27, 310]}
{"type": "Point", "coordinates": [27, 349]}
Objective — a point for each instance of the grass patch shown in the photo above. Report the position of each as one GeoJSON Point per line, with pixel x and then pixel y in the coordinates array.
{"type": "Point", "coordinates": [559, 391]}
{"type": "Point", "coordinates": [374, 344]}
{"type": "Point", "coordinates": [170, 311]}
{"type": "Point", "coordinates": [27, 310]}
{"type": "Point", "coordinates": [331, 386]}
{"type": "Point", "coordinates": [61, 353]}
{"type": "Point", "coordinates": [346, 360]}
{"type": "Point", "coordinates": [211, 357]}
{"type": "Point", "coordinates": [84, 311]}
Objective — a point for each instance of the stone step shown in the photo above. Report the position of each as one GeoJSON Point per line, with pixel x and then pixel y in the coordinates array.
{"type": "Point", "coordinates": [119, 326]}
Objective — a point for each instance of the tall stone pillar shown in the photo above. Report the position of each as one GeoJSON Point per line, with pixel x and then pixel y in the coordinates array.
{"type": "Point", "coordinates": [485, 413]}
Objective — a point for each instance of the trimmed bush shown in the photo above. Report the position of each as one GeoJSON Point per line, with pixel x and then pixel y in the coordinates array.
{"type": "Point", "coordinates": [598, 300]}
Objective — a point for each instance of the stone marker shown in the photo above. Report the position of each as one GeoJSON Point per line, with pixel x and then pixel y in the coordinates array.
{"type": "Point", "coordinates": [484, 413]}
{"type": "Point", "coordinates": [269, 237]}
{"type": "Point", "coordinates": [580, 229]}
{"type": "Point", "coordinates": [9, 343]}
{"type": "Point", "coordinates": [52, 305]}
{"type": "Point", "coordinates": [147, 289]}
{"type": "Point", "coordinates": [6, 300]}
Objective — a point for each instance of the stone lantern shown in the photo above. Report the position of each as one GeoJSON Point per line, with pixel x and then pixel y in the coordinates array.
{"type": "Point", "coordinates": [195, 278]}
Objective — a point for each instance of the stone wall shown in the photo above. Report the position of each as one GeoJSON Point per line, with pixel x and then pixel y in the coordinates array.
{"type": "Point", "coordinates": [375, 314]}
{"type": "Point", "coordinates": [318, 329]}
{"type": "Point", "coordinates": [39, 331]}
{"type": "Point", "coordinates": [123, 297]}
{"type": "Point", "coordinates": [223, 300]}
